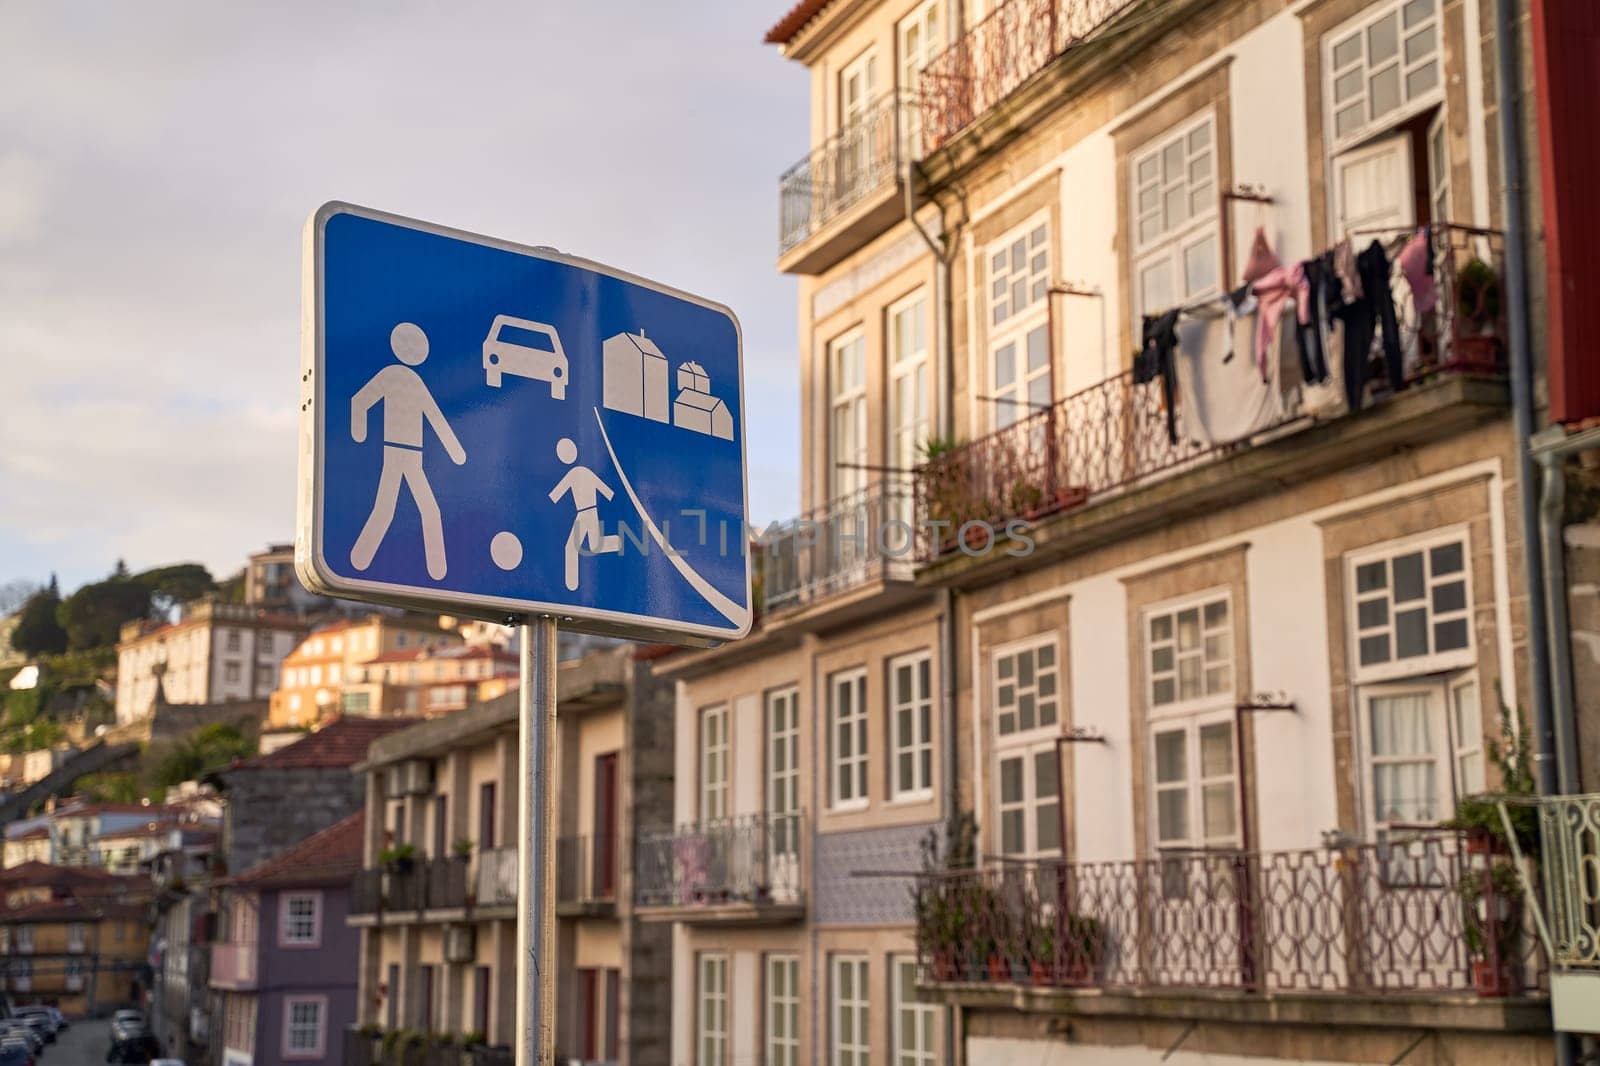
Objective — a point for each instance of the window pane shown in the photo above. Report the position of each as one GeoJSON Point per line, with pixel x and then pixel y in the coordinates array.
{"type": "Point", "coordinates": [1415, 11]}
{"type": "Point", "coordinates": [1161, 627]}
{"type": "Point", "coordinates": [1045, 655]}
{"type": "Point", "coordinates": [1161, 659]}
{"type": "Point", "coordinates": [1216, 749]}
{"type": "Point", "coordinates": [1384, 90]}
{"type": "Point", "coordinates": [1189, 679]}
{"type": "Point", "coordinates": [1005, 365]}
{"type": "Point", "coordinates": [1200, 137]}
{"type": "Point", "coordinates": [1370, 613]}
{"type": "Point", "coordinates": [1047, 712]}
{"type": "Point", "coordinates": [1217, 811]}
{"type": "Point", "coordinates": [1422, 79]}
{"type": "Point", "coordinates": [1148, 169]}
{"type": "Point", "coordinates": [1200, 267]}
{"type": "Point", "coordinates": [1410, 633]}
{"type": "Point", "coordinates": [1005, 666]}
{"type": "Point", "coordinates": [1469, 722]}
{"type": "Point", "coordinates": [1039, 348]}
{"type": "Point", "coordinates": [1019, 254]}
{"type": "Point", "coordinates": [1450, 636]}
{"type": "Point", "coordinates": [1036, 238]}
{"type": "Point", "coordinates": [1420, 44]}
{"type": "Point", "coordinates": [1188, 629]}
{"type": "Point", "coordinates": [1347, 51]}
{"type": "Point", "coordinates": [1383, 40]}
{"type": "Point", "coordinates": [1011, 781]}
{"type": "Point", "coordinates": [1445, 559]}
{"type": "Point", "coordinates": [1405, 792]}
{"type": "Point", "coordinates": [1408, 581]}
{"type": "Point", "coordinates": [1047, 826]}
{"type": "Point", "coordinates": [1163, 691]}
{"type": "Point", "coordinates": [1401, 725]}
{"type": "Point", "coordinates": [1172, 814]}
{"type": "Point", "coordinates": [1045, 781]}
{"type": "Point", "coordinates": [1172, 162]}
{"type": "Point", "coordinates": [1171, 753]}
{"type": "Point", "coordinates": [1451, 596]}
{"type": "Point", "coordinates": [1346, 121]}
{"type": "Point", "coordinates": [1374, 650]}
{"type": "Point", "coordinates": [1216, 614]}
{"type": "Point", "coordinates": [1011, 828]}
{"type": "Point", "coordinates": [1346, 85]}
{"type": "Point", "coordinates": [1174, 206]}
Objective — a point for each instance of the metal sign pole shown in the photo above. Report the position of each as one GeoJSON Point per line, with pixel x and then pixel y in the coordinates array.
{"type": "Point", "coordinates": [536, 910]}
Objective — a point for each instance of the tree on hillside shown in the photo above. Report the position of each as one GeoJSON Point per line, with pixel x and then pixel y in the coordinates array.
{"type": "Point", "coordinates": [93, 616]}
{"type": "Point", "coordinates": [38, 631]}
{"type": "Point", "coordinates": [207, 748]}
{"type": "Point", "coordinates": [172, 586]}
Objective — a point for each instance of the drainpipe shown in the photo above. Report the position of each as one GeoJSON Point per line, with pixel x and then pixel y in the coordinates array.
{"type": "Point", "coordinates": [944, 252]}
{"type": "Point", "coordinates": [1550, 734]}
{"type": "Point", "coordinates": [1508, 85]}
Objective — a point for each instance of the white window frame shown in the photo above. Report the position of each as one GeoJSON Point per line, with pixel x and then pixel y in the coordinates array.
{"type": "Point", "coordinates": [783, 768]}
{"type": "Point", "coordinates": [1438, 140]}
{"type": "Point", "coordinates": [924, 1050]}
{"type": "Point", "coordinates": [1012, 326]}
{"type": "Point", "coordinates": [910, 727]}
{"type": "Point", "coordinates": [858, 1051]}
{"type": "Point", "coordinates": [783, 1004]}
{"type": "Point", "coordinates": [1030, 801]}
{"type": "Point", "coordinates": [1215, 654]}
{"type": "Point", "coordinates": [293, 1049]}
{"type": "Point", "coordinates": [1434, 661]}
{"type": "Point", "coordinates": [1450, 747]}
{"type": "Point", "coordinates": [856, 726]}
{"type": "Point", "coordinates": [865, 68]}
{"type": "Point", "coordinates": [1209, 665]}
{"type": "Point", "coordinates": [77, 936]}
{"type": "Point", "coordinates": [1000, 680]}
{"type": "Point", "coordinates": [908, 371]}
{"type": "Point", "coordinates": [711, 1009]}
{"type": "Point", "coordinates": [847, 414]}
{"type": "Point", "coordinates": [1195, 782]}
{"type": "Point", "coordinates": [288, 934]}
{"type": "Point", "coordinates": [25, 940]}
{"type": "Point", "coordinates": [714, 749]}
{"type": "Point", "coordinates": [1174, 242]}
{"type": "Point", "coordinates": [918, 37]}
{"type": "Point", "coordinates": [1356, 71]}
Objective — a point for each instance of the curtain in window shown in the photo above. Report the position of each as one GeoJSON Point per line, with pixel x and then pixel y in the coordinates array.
{"type": "Point", "coordinates": [1403, 749]}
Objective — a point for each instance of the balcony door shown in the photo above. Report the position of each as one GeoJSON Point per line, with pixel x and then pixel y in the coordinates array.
{"type": "Point", "coordinates": [857, 133]}
{"type": "Point", "coordinates": [783, 793]}
{"type": "Point", "coordinates": [605, 826]}
{"type": "Point", "coordinates": [918, 38]}
{"type": "Point", "coordinates": [842, 541]}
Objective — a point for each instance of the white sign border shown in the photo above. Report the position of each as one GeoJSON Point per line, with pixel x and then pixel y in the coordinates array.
{"type": "Point", "coordinates": [310, 565]}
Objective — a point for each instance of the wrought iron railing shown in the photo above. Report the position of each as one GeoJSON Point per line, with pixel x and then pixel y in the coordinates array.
{"type": "Point", "coordinates": [1569, 829]}
{"type": "Point", "coordinates": [446, 883]}
{"type": "Point", "coordinates": [367, 1048]}
{"type": "Point", "coordinates": [748, 859]}
{"type": "Point", "coordinates": [410, 886]}
{"type": "Point", "coordinates": [1418, 915]}
{"type": "Point", "coordinates": [586, 869]}
{"type": "Point", "coordinates": [1115, 434]}
{"type": "Point", "coordinates": [497, 877]}
{"type": "Point", "coordinates": [856, 161]}
{"type": "Point", "coordinates": [858, 537]}
{"type": "Point", "coordinates": [997, 55]}
{"type": "Point", "coordinates": [366, 892]}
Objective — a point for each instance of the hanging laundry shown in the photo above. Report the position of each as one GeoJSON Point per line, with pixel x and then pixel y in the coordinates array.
{"type": "Point", "coordinates": [1155, 359]}
{"type": "Point", "coordinates": [1263, 260]}
{"type": "Point", "coordinates": [1344, 265]}
{"type": "Point", "coordinates": [1222, 399]}
{"type": "Point", "coordinates": [1273, 291]}
{"type": "Point", "coordinates": [1326, 398]}
{"type": "Point", "coordinates": [1310, 312]}
{"type": "Point", "coordinates": [1416, 263]}
{"type": "Point", "coordinates": [1362, 321]}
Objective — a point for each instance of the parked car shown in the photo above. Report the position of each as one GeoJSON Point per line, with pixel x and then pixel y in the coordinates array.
{"type": "Point", "coordinates": [41, 1012]}
{"type": "Point", "coordinates": [15, 1053]}
{"type": "Point", "coordinates": [18, 1030]}
{"type": "Point", "coordinates": [137, 1050]}
{"type": "Point", "coordinates": [40, 1023]}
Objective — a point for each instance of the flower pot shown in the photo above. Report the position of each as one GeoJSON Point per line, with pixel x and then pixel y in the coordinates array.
{"type": "Point", "coordinates": [944, 966]}
{"type": "Point", "coordinates": [999, 969]}
{"type": "Point", "coordinates": [1477, 351]}
{"type": "Point", "coordinates": [1480, 843]}
{"type": "Point", "coordinates": [1039, 973]}
{"type": "Point", "coordinates": [1495, 982]}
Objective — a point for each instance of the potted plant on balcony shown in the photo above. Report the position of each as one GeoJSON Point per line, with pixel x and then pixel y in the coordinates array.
{"type": "Point", "coordinates": [398, 858]}
{"type": "Point", "coordinates": [1083, 949]}
{"type": "Point", "coordinates": [1491, 925]}
{"type": "Point", "coordinates": [944, 901]}
{"type": "Point", "coordinates": [1477, 315]}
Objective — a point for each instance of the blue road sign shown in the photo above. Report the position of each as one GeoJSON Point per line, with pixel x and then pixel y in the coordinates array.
{"type": "Point", "coordinates": [503, 431]}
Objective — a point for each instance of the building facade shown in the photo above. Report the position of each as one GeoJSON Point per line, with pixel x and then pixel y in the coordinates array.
{"type": "Point", "coordinates": [73, 938]}
{"type": "Point", "coordinates": [216, 652]}
{"type": "Point", "coordinates": [323, 675]}
{"type": "Point", "coordinates": [1162, 518]}
{"type": "Point", "coordinates": [284, 968]}
{"type": "Point", "coordinates": [436, 903]}
{"type": "Point", "coordinates": [432, 681]}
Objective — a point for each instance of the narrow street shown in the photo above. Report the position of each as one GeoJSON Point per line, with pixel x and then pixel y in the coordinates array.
{"type": "Point", "coordinates": [81, 1044]}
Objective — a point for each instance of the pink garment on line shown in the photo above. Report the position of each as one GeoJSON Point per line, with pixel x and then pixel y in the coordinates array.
{"type": "Point", "coordinates": [1271, 291]}
{"type": "Point", "coordinates": [1414, 265]}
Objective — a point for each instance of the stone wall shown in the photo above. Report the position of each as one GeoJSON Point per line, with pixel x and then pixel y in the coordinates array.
{"type": "Point", "coordinates": [271, 810]}
{"type": "Point", "coordinates": [647, 799]}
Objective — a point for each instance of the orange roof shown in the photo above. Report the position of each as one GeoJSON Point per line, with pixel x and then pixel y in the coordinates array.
{"type": "Point", "coordinates": [38, 832]}
{"type": "Point", "coordinates": [329, 857]}
{"type": "Point", "coordinates": [341, 743]}
{"type": "Point", "coordinates": [71, 910]}
{"type": "Point", "coordinates": [44, 873]}
{"type": "Point", "coordinates": [789, 27]}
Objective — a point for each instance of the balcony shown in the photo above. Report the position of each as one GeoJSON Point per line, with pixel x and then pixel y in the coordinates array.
{"type": "Point", "coordinates": [586, 876]}
{"type": "Point", "coordinates": [407, 889]}
{"type": "Point", "coordinates": [1279, 933]}
{"type": "Point", "coordinates": [497, 877]}
{"type": "Point", "coordinates": [362, 1047]}
{"type": "Point", "coordinates": [844, 193]}
{"type": "Point", "coordinates": [1569, 828]}
{"type": "Point", "coordinates": [233, 967]}
{"type": "Point", "coordinates": [1110, 442]}
{"type": "Point", "coordinates": [856, 540]}
{"type": "Point", "coordinates": [998, 55]}
{"type": "Point", "coordinates": [734, 871]}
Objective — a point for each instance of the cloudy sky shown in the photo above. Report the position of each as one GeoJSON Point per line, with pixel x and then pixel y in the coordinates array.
{"type": "Point", "coordinates": [157, 162]}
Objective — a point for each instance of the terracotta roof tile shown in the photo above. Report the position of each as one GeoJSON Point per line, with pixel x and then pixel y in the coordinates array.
{"type": "Point", "coordinates": [65, 910]}
{"type": "Point", "coordinates": [341, 743]}
{"type": "Point", "coordinates": [789, 27]}
{"type": "Point", "coordinates": [331, 856]}
{"type": "Point", "coordinates": [44, 873]}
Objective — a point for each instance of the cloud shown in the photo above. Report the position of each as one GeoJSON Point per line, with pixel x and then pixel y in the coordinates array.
{"type": "Point", "coordinates": [160, 160]}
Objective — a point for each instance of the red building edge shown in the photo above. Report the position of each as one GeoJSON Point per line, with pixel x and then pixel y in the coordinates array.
{"type": "Point", "coordinates": [1566, 53]}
